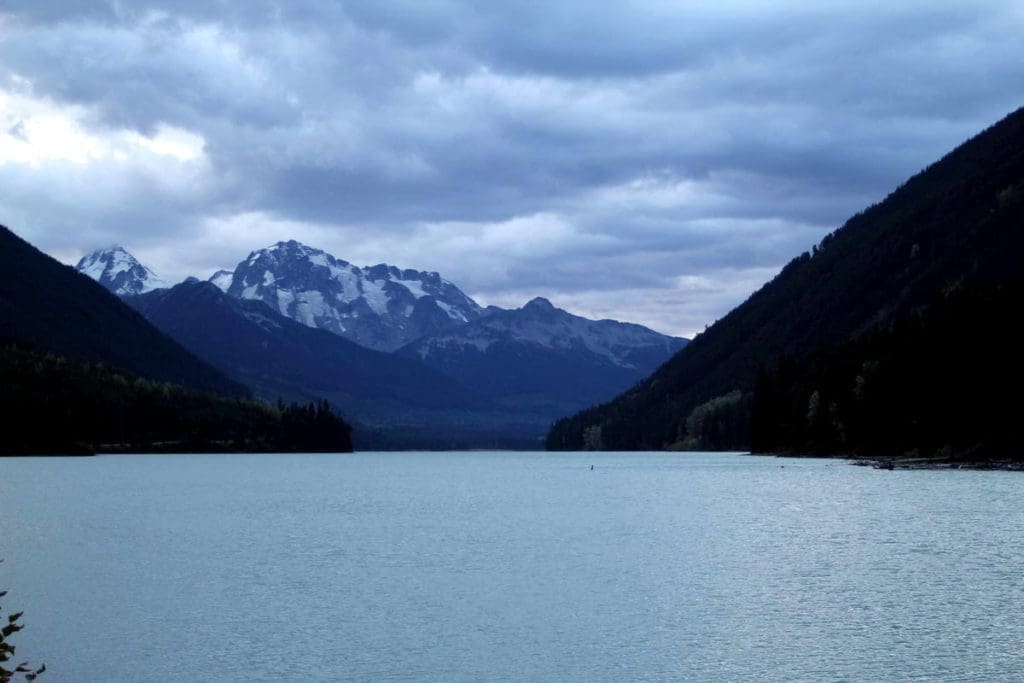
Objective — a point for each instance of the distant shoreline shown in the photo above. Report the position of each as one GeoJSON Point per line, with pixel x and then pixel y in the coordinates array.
{"type": "Point", "coordinates": [878, 462]}
{"type": "Point", "coordinates": [900, 462]}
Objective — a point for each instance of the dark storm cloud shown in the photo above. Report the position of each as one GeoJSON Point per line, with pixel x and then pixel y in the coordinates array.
{"type": "Point", "coordinates": [652, 161]}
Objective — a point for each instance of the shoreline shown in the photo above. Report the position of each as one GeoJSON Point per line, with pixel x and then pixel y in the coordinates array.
{"type": "Point", "coordinates": [899, 462]}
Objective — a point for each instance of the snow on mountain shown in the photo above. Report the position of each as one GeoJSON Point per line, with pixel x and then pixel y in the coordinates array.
{"type": "Point", "coordinates": [222, 279]}
{"type": "Point", "coordinates": [380, 307]}
{"type": "Point", "coordinates": [120, 272]}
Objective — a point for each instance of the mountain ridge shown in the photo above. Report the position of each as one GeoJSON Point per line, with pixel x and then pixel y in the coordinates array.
{"type": "Point", "coordinates": [545, 358]}
{"type": "Point", "coordinates": [381, 307]}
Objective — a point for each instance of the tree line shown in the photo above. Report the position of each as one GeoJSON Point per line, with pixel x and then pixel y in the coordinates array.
{"type": "Point", "coordinates": [52, 405]}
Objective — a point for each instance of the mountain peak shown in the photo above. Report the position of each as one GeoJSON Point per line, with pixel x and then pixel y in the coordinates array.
{"type": "Point", "coordinates": [116, 269]}
{"type": "Point", "coordinates": [291, 245]}
{"type": "Point", "coordinates": [222, 279]}
{"type": "Point", "coordinates": [109, 251]}
{"type": "Point", "coordinates": [285, 249]}
{"type": "Point", "coordinates": [382, 307]}
{"type": "Point", "coordinates": [539, 304]}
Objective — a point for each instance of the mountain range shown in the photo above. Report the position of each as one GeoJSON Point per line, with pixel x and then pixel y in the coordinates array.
{"type": "Point", "coordinates": [404, 353]}
{"type": "Point", "coordinates": [543, 358]}
{"type": "Point", "coordinates": [380, 307]}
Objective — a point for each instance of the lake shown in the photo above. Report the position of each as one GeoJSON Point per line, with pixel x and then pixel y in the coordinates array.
{"type": "Point", "coordinates": [484, 566]}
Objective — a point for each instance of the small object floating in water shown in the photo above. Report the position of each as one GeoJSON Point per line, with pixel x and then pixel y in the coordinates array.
{"type": "Point", "coordinates": [591, 468]}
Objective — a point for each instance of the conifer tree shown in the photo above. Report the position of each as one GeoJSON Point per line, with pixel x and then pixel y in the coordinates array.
{"type": "Point", "coordinates": [8, 627]}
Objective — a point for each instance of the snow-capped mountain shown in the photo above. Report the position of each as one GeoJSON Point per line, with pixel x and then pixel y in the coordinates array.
{"type": "Point", "coordinates": [120, 272]}
{"type": "Point", "coordinates": [543, 357]}
{"type": "Point", "coordinates": [380, 307]}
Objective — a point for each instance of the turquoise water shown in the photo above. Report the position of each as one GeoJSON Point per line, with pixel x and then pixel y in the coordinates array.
{"type": "Point", "coordinates": [483, 566]}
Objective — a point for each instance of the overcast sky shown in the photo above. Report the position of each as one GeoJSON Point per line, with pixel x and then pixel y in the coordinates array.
{"type": "Point", "coordinates": [648, 161]}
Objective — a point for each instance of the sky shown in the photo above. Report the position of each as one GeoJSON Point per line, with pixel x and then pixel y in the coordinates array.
{"type": "Point", "coordinates": [642, 160]}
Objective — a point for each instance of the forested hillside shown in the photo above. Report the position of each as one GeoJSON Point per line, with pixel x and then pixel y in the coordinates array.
{"type": "Point", "coordinates": [957, 225]}
{"type": "Point", "coordinates": [55, 406]}
{"type": "Point", "coordinates": [938, 383]}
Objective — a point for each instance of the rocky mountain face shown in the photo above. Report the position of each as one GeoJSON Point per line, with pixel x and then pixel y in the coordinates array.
{"type": "Point", "coordinates": [380, 307]}
{"type": "Point", "coordinates": [120, 272]}
{"type": "Point", "coordinates": [543, 358]}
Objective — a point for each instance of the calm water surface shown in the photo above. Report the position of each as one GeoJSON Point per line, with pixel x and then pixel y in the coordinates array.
{"type": "Point", "coordinates": [473, 566]}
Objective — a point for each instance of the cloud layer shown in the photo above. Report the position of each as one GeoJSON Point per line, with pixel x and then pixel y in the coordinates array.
{"type": "Point", "coordinates": [650, 161]}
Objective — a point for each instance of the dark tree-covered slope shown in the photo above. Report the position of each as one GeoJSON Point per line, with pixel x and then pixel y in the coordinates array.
{"type": "Point", "coordinates": [52, 405]}
{"type": "Point", "coordinates": [50, 307]}
{"type": "Point", "coordinates": [938, 384]}
{"type": "Point", "coordinates": [961, 219]}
